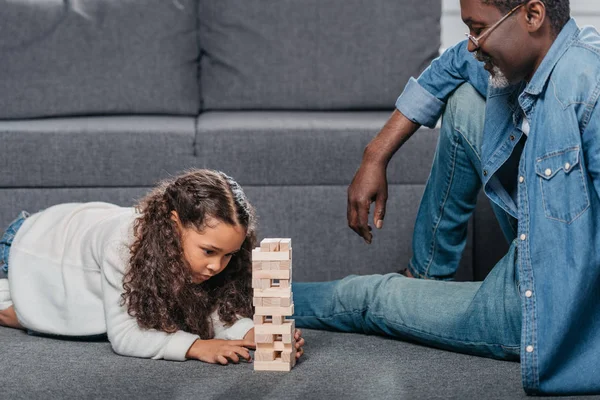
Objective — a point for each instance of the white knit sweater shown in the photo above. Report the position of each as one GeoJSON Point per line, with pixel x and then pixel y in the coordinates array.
{"type": "Point", "coordinates": [66, 269]}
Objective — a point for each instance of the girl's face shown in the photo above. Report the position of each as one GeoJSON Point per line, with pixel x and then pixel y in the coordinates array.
{"type": "Point", "coordinates": [208, 252]}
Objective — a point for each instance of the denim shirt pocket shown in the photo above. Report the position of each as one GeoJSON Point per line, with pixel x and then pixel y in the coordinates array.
{"type": "Point", "coordinates": [562, 184]}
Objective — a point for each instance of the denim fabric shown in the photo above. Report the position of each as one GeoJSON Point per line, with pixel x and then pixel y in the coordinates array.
{"type": "Point", "coordinates": [7, 239]}
{"type": "Point", "coordinates": [558, 196]}
{"type": "Point", "coordinates": [481, 318]}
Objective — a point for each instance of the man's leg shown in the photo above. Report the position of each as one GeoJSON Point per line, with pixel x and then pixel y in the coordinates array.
{"type": "Point", "coordinates": [480, 318]}
{"type": "Point", "coordinates": [450, 195]}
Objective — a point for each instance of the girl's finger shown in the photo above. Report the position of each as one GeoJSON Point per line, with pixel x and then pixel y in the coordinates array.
{"type": "Point", "coordinates": [222, 360]}
{"type": "Point", "coordinates": [298, 334]}
{"type": "Point", "coordinates": [300, 343]}
{"type": "Point", "coordinates": [299, 353]}
{"type": "Point", "coordinates": [243, 352]}
{"type": "Point", "coordinates": [231, 354]}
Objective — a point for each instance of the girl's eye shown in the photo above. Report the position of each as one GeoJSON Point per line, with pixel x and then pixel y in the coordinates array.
{"type": "Point", "coordinates": [208, 252]}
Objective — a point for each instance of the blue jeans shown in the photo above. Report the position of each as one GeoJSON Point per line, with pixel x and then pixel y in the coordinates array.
{"type": "Point", "coordinates": [480, 318]}
{"type": "Point", "coordinates": [7, 239]}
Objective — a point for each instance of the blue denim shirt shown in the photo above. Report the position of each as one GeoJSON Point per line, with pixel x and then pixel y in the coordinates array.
{"type": "Point", "coordinates": [557, 204]}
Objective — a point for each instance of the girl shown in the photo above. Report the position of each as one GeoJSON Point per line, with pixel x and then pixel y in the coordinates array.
{"type": "Point", "coordinates": [168, 279]}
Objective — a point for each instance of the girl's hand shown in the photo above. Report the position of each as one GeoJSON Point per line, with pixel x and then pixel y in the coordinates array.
{"type": "Point", "coordinates": [299, 343]}
{"type": "Point", "coordinates": [220, 351]}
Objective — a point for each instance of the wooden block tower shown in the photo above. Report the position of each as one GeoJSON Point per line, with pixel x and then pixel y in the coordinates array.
{"type": "Point", "coordinates": [271, 279]}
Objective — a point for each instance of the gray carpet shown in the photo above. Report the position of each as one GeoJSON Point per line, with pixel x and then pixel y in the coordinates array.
{"type": "Point", "coordinates": [336, 365]}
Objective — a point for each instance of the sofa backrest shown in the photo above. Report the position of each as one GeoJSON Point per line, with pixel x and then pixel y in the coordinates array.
{"type": "Point", "coordinates": [110, 57]}
{"type": "Point", "coordinates": [83, 57]}
{"type": "Point", "coordinates": [313, 54]}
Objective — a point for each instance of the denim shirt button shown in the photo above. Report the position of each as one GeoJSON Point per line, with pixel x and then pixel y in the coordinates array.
{"type": "Point", "coordinates": [523, 236]}
{"type": "Point", "coordinates": [528, 293]}
{"type": "Point", "coordinates": [485, 172]}
{"type": "Point", "coordinates": [567, 166]}
{"type": "Point", "coordinates": [521, 179]}
{"type": "Point", "coordinates": [512, 137]}
{"type": "Point", "coordinates": [548, 172]}
{"type": "Point", "coordinates": [529, 349]}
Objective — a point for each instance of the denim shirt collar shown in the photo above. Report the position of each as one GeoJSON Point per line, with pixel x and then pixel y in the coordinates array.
{"type": "Point", "coordinates": [558, 48]}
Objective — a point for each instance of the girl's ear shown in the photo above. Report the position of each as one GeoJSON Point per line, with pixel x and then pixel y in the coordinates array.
{"type": "Point", "coordinates": [175, 218]}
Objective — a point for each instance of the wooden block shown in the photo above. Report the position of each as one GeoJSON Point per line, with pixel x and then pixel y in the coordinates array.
{"type": "Point", "coordinates": [264, 245]}
{"type": "Point", "coordinates": [274, 265]}
{"type": "Point", "coordinates": [271, 274]}
{"type": "Point", "coordinates": [287, 311]}
{"type": "Point", "coordinates": [264, 355]}
{"type": "Point", "coordinates": [287, 328]}
{"type": "Point", "coordinates": [261, 283]}
{"type": "Point", "coordinates": [263, 337]}
{"type": "Point", "coordinates": [273, 292]}
{"type": "Point", "coordinates": [284, 283]}
{"type": "Point", "coordinates": [283, 347]}
{"type": "Point", "coordinates": [276, 301]}
{"type": "Point", "coordinates": [286, 301]}
{"type": "Point", "coordinates": [257, 266]}
{"type": "Point", "coordinates": [258, 255]}
{"type": "Point", "coordinates": [287, 338]}
{"type": "Point", "coordinates": [276, 365]}
{"type": "Point", "coordinates": [277, 319]}
{"type": "Point", "coordinates": [258, 320]}
{"type": "Point", "coordinates": [265, 265]}
{"type": "Point", "coordinates": [286, 355]}
{"type": "Point", "coordinates": [269, 244]}
{"type": "Point", "coordinates": [271, 301]}
{"type": "Point", "coordinates": [258, 301]}
{"type": "Point", "coordinates": [285, 244]}
{"type": "Point", "coordinates": [285, 264]}
{"type": "Point", "coordinates": [274, 245]}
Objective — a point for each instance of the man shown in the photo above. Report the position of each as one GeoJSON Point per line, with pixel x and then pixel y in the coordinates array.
{"type": "Point", "coordinates": [525, 126]}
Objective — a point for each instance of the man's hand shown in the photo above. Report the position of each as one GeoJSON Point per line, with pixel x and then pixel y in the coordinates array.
{"type": "Point", "coordinates": [369, 185]}
{"type": "Point", "coordinates": [299, 343]}
{"type": "Point", "coordinates": [220, 351]}
{"type": "Point", "coordinates": [370, 181]}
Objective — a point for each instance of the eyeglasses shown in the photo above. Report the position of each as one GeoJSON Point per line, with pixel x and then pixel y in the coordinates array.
{"type": "Point", "coordinates": [476, 40]}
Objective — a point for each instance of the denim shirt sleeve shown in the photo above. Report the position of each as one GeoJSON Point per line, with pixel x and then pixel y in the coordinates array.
{"type": "Point", "coordinates": [423, 99]}
{"type": "Point", "coordinates": [591, 147]}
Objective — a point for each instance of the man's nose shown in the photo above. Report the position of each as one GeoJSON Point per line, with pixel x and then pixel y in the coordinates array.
{"type": "Point", "coordinates": [471, 47]}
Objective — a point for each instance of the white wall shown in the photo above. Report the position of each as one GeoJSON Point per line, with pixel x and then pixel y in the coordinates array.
{"type": "Point", "coordinates": [585, 12]}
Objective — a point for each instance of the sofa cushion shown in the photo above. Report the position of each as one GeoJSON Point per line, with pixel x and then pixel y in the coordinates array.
{"type": "Point", "coordinates": [313, 54]}
{"type": "Point", "coordinates": [97, 57]}
{"type": "Point", "coordinates": [94, 151]}
{"type": "Point", "coordinates": [304, 148]}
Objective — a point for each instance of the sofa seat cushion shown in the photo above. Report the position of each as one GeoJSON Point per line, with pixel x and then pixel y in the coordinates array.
{"type": "Point", "coordinates": [95, 151]}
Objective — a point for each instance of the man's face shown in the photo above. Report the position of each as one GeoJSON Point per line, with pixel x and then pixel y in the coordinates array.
{"type": "Point", "coordinates": [504, 49]}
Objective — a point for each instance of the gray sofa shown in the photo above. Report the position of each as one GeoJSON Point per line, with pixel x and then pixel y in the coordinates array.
{"type": "Point", "coordinates": [99, 99]}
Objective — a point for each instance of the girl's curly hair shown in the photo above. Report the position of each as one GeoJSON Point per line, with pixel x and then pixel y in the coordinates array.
{"type": "Point", "coordinates": [158, 287]}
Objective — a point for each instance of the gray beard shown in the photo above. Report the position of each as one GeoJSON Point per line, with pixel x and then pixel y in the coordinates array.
{"type": "Point", "coordinates": [498, 79]}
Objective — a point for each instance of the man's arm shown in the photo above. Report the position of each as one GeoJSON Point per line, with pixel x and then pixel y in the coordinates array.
{"type": "Point", "coordinates": [421, 103]}
{"type": "Point", "coordinates": [591, 147]}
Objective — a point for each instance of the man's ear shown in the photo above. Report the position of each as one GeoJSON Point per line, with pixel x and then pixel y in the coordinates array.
{"type": "Point", "coordinates": [535, 15]}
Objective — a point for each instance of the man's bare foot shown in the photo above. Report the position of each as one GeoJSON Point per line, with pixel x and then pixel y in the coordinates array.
{"type": "Point", "coordinates": [8, 318]}
{"type": "Point", "coordinates": [407, 273]}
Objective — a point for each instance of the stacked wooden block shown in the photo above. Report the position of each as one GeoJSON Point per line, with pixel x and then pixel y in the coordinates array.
{"type": "Point", "coordinates": [271, 279]}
